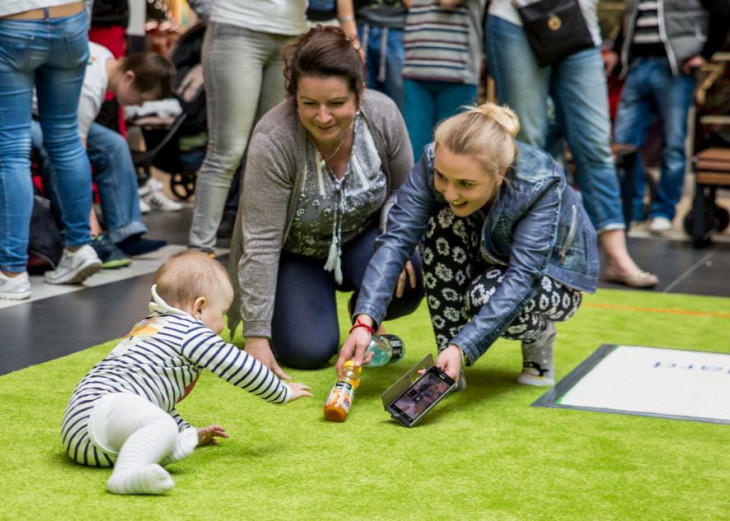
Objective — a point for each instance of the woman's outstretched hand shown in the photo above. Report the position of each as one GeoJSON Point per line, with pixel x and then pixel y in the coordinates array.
{"type": "Point", "coordinates": [449, 360]}
{"type": "Point", "coordinates": [356, 344]}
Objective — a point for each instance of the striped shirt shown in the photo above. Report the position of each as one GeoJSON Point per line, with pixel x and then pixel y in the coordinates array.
{"type": "Point", "coordinates": [160, 360]}
{"type": "Point", "coordinates": [443, 44]}
{"type": "Point", "coordinates": [646, 40]}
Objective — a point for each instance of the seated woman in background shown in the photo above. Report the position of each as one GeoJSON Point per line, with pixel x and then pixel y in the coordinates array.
{"type": "Point", "coordinates": [320, 172]}
{"type": "Point", "coordinates": [508, 246]}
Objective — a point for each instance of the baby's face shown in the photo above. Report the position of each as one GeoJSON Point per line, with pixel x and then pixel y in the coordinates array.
{"type": "Point", "coordinates": [217, 305]}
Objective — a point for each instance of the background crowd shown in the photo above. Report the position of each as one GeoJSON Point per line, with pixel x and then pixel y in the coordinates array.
{"type": "Point", "coordinates": [427, 56]}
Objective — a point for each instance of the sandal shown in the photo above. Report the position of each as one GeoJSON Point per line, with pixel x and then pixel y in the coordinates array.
{"type": "Point", "coordinates": [639, 279]}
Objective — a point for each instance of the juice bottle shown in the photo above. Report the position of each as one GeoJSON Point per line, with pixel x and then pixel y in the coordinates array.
{"type": "Point", "coordinates": [343, 392]}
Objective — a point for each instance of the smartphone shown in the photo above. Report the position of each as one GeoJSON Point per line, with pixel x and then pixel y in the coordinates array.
{"type": "Point", "coordinates": [430, 388]}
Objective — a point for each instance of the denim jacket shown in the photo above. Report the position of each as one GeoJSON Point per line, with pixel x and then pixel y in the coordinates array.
{"type": "Point", "coordinates": [536, 226]}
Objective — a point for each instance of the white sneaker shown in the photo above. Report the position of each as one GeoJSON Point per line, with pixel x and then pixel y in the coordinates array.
{"type": "Point", "coordinates": [659, 225]}
{"type": "Point", "coordinates": [144, 207]}
{"type": "Point", "coordinates": [14, 288]}
{"type": "Point", "coordinates": [152, 193]}
{"type": "Point", "coordinates": [75, 267]}
{"type": "Point", "coordinates": [147, 188]}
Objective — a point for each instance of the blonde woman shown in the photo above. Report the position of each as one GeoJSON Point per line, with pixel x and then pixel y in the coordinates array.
{"type": "Point", "coordinates": [508, 247]}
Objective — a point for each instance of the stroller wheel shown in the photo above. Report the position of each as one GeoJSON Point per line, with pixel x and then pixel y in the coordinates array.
{"type": "Point", "coordinates": [182, 184]}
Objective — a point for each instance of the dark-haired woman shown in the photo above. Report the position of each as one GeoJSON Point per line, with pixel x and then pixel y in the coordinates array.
{"type": "Point", "coordinates": [321, 169]}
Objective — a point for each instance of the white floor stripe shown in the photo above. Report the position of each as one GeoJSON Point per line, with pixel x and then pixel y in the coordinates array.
{"type": "Point", "coordinates": [142, 265]}
{"type": "Point", "coordinates": [697, 265]}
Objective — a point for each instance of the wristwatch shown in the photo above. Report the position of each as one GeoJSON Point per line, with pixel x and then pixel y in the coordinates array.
{"type": "Point", "coordinates": [464, 358]}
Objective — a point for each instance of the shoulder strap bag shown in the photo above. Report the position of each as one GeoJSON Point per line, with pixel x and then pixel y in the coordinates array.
{"type": "Point", "coordinates": [555, 29]}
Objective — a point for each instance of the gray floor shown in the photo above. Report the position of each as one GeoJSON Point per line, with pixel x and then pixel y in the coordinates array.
{"type": "Point", "coordinates": [681, 268]}
{"type": "Point", "coordinates": [55, 326]}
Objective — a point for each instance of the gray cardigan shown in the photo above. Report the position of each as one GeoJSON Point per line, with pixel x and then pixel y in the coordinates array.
{"type": "Point", "coordinates": [271, 186]}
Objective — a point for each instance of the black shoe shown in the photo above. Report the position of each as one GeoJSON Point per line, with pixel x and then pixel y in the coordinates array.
{"type": "Point", "coordinates": [136, 245]}
{"type": "Point", "coordinates": [225, 230]}
{"type": "Point", "coordinates": [108, 253]}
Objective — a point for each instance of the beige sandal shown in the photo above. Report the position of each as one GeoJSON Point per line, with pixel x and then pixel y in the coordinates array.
{"type": "Point", "coordinates": [639, 279]}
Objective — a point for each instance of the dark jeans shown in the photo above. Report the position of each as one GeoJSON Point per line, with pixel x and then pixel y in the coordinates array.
{"type": "Point", "coordinates": [305, 328]}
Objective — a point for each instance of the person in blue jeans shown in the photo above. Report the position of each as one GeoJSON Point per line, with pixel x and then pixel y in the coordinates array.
{"type": "Point", "coordinates": [116, 180]}
{"type": "Point", "coordinates": [660, 81]}
{"type": "Point", "coordinates": [577, 86]}
{"type": "Point", "coordinates": [43, 44]}
{"type": "Point", "coordinates": [380, 26]}
{"type": "Point", "coordinates": [443, 46]}
{"type": "Point", "coordinates": [134, 80]}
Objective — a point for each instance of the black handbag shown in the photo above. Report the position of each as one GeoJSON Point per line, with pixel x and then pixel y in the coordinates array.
{"type": "Point", "coordinates": [45, 244]}
{"type": "Point", "coordinates": [555, 29]}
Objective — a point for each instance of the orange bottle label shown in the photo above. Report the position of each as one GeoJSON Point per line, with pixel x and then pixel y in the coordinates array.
{"type": "Point", "coordinates": [339, 400]}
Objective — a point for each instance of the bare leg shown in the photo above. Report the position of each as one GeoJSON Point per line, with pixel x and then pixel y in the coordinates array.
{"type": "Point", "coordinates": [620, 267]}
{"type": "Point", "coordinates": [95, 226]}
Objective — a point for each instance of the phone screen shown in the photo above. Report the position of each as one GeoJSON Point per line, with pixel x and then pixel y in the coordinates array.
{"type": "Point", "coordinates": [426, 391]}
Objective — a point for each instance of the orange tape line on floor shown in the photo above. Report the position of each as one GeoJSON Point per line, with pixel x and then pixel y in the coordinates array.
{"type": "Point", "coordinates": [659, 310]}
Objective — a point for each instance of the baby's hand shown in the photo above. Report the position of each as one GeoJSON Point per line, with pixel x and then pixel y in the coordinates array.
{"type": "Point", "coordinates": [208, 434]}
{"type": "Point", "coordinates": [298, 390]}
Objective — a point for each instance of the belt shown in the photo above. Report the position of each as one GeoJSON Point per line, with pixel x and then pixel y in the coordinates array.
{"type": "Point", "coordinates": [58, 11]}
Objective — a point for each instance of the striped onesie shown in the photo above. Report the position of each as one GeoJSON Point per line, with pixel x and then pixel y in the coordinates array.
{"type": "Point", "coordinates": [160, 360]}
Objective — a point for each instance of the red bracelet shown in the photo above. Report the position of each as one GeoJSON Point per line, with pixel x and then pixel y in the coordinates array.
{"type": "Point", "coordinates": [362, 324]}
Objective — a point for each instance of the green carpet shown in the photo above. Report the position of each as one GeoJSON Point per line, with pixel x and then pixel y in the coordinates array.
{"type": "Point", "coordinates": [483, 454]}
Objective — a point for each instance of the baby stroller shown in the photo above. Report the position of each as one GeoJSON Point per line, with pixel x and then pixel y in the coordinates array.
{"type": "Point", "coordinates": [177, 146]}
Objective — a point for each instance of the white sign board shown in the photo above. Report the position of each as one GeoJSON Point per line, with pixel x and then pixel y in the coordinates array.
{"type": "Point", "coordinates": [654, 381]}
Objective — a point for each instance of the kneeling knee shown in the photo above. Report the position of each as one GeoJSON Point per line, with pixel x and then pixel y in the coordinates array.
{"type": "Point", "coordinates": [306, 355]}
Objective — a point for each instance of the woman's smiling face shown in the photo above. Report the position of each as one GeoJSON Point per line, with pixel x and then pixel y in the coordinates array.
{"type": "Point", "coordinates": [463, 182]}
{"type": "Point", "coordinates": [327, 108]}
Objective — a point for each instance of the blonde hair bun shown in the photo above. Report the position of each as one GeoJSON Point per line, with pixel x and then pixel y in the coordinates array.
{"type": "Point", "coordinates": [486, 132]}
{"type": "Point", "coordinates": [501, 115]}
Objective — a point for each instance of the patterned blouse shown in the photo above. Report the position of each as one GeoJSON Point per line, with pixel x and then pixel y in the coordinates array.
{"type": "Point", "coordinates": [333, 211]}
